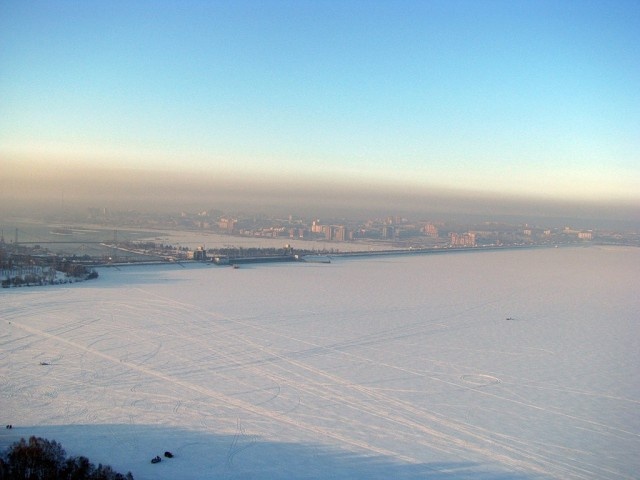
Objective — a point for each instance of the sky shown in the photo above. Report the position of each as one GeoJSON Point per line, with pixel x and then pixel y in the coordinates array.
{"type": "Point", "coordinates": [531, 100]}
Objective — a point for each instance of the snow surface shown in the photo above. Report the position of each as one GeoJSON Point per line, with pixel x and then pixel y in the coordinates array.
{"type": "Point", "coordinates": [392, 367]}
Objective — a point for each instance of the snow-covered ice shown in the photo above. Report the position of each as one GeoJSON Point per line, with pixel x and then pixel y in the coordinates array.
{"type": "Point", "coordinates": [391, 367]}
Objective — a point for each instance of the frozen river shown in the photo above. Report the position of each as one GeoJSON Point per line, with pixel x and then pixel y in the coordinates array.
{"type": "Point", "coordinates": [505, 364]}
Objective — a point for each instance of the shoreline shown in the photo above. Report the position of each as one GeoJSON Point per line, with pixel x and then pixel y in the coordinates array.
{"type": "Point", "coordinates": [346, 255]}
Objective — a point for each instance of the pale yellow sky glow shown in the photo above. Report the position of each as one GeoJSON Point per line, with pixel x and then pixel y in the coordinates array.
{"type": "Point", "coordinates": [54, 162]}
{"type": "Point", "coordinates": [102, 183]}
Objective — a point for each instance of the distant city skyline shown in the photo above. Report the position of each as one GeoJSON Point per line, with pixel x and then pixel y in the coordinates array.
{"type": "Point", "coordinates": [486, 106]}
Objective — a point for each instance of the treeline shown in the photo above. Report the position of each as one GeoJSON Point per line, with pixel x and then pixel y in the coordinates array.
{"type": "Point", "coordinates": [29, 275]}
{"type": "Point", "coordinates": [263, 252]}
{"type": "Point", "coordinates": [41, 459]}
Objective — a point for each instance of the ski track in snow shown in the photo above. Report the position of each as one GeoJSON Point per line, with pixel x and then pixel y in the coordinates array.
{"type": "Point", "coordinates": [153, 353]}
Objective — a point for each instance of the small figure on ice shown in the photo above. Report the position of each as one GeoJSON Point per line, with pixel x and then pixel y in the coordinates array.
{"type": "Point", "coordinates": [157, 459]}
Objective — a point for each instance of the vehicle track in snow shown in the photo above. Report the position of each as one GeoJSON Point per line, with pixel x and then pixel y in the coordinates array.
{"type": "Point", "coordinates": [222, 369]}
{"type": "Point", "coordinates": [225, 399]}
{"type": "Point", "coordinates": [403, 414]}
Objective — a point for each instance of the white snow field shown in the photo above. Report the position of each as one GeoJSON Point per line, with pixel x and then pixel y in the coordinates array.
{"type": "Point", "coordinates": [506, 364]}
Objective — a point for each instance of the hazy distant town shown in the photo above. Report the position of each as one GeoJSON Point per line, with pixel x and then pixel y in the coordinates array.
{"type": "Point", "coordinates": [65, 248]}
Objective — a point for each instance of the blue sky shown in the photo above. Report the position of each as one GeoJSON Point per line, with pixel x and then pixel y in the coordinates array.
{"type": "Point", "coordinates": [536, 98]}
